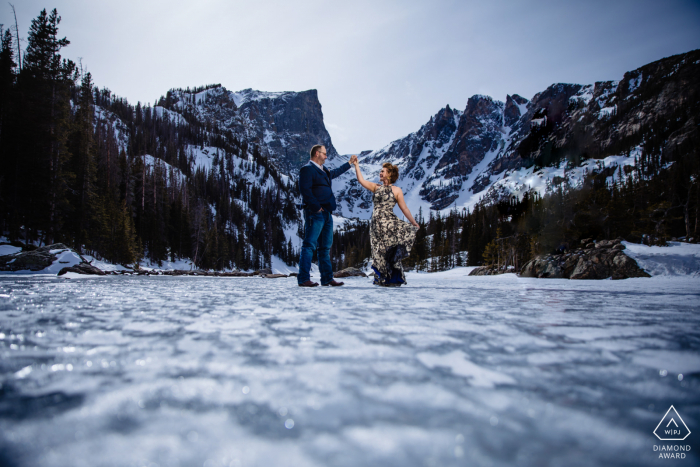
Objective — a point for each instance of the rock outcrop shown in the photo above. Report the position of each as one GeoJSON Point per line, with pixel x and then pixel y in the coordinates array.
{"type": "Point", "coordinates": [600, 260]}
{"type": "Point", "coordinates": [491, 270]}
{"type": "Point", "coordinates": [83, 268]}
{"type": "Point", "coordinates": [33, 260]}
{"type": "Point", "coordinates": [284, 125]}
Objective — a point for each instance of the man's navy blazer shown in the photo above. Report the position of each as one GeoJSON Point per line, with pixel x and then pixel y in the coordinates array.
{"type": "Point", "coordinates": [315, 186]}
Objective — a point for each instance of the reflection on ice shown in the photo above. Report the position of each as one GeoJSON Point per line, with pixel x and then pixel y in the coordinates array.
{"type": "Point", "coordinates": [193, 371]}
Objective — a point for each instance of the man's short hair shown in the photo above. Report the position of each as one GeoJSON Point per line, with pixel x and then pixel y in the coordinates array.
{"type": "Point", "coordinates": [314, 149]}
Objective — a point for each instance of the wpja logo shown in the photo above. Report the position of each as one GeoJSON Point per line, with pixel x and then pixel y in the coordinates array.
{"type": "Point", "coordinates": [672, 428]}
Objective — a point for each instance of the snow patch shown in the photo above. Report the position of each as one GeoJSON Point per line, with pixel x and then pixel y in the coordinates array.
{"type": "Point", "coordinates": [677, 259]}
{"type": "Point", "coordinates": [9, 250]}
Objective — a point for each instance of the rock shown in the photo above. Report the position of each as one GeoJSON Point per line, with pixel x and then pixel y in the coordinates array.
{"type": "Point", "coordinates": [484, 271]}
{"type": "Point", "coordinates": [590, 245]}
{"type": "Point", "coordinates": [262, 271]}
{"type": "Point", "coordinates": [491, 270]}
{"type": "Point", "coordinates": [34, 260]}
{"type": "Point", "coordinates": [83, 268]}
{"type": "Point", "coordinates": [604, 261]}
{"type": "Point", "coordinates": [236, 274]}
{"type": "Point", "coordinates": [349, 272]}
{"type": "Point", "coordinates": [511, 113]}
{"type": "Point", "coordinates": [273, 276]}
{"type": "Point", "coordinates": [605, 244]}
{"type": "Point", "coordinates": [293, 274]}
{"type": "Point", "coordinates": [586, 241]}
{"type": "Point", "coordinates": [542, 268]}
{"type": "Point", "coordinates": [627, 267]}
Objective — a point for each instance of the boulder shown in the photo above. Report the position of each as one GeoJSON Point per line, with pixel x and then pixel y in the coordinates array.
{"type": "Point", "coordinates": [542, 268]}
{"type": "Point", "coordinates": [349, 272]}
{"type": "Point", "coordinates": [600, 261]}
{"type": "Point", "coordinates": [273, 276]}
{"type": "Point", "coordinates": [484, 271]}
{"type": "Point", "coordinates": [83, 268]}
{"type": "Point", "coordinates": [34, 260]}
{"type": "Point", "coordinates": [491, 270]}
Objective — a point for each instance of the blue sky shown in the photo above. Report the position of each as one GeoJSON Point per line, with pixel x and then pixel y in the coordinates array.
{"type": "Point", "coordinates": [381, 68]}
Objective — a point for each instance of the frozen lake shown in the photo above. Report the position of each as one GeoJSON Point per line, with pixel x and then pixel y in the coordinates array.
{"type": "Point", "coordinates": [450, 370]}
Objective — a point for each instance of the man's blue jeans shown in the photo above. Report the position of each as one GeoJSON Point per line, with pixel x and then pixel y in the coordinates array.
{"type": "Point", "coordinates": [318, 236]}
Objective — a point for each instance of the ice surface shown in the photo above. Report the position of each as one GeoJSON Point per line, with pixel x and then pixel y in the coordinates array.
{"type": "Point", "coordinates": [449, 370]}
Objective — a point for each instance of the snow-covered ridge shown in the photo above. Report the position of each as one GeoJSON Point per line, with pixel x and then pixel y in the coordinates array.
{"type": "Point", "coordinates": [249, 95]}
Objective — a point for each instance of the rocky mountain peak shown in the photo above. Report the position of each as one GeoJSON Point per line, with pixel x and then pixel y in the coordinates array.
{"type": "Point", "coordinates": [284, 125]}
{"type": "Point", "coordinates": [478, 132]}
{"type": "Point", "coordinates": [515, 108]}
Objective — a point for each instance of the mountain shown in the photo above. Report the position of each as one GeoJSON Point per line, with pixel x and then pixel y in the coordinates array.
{"type": "Point", "coordinates": [285, 125]}
{"type": "Point", "coordinates": [493, 150]}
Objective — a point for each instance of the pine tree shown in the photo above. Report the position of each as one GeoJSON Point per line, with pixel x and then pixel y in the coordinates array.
{"type": "Point", "coordinates": [87, 217]}
{"type": "Point", "coordinates": [45, 82]}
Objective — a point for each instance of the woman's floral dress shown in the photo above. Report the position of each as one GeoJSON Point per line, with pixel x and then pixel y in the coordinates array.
{"type": "Point", "coordinates": [391, 239]}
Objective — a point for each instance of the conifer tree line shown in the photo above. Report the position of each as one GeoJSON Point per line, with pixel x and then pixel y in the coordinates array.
{"type": "Point", "coordinates": [653, 201]}
{"type": "Point", "coordinates": [88, 169]}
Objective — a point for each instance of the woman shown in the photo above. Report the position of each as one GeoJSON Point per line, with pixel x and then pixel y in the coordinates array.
{"type": "Point", "coordinates": [391, 239]}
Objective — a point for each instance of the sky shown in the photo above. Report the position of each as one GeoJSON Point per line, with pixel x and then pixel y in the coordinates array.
{"type": "Point", "coordinates": [382, 68]}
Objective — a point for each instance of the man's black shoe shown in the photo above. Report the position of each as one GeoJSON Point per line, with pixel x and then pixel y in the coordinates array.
{"type": "Point", "coordinates": [334, 283]}
{"type": "Point", "coordinates": [309, 283]}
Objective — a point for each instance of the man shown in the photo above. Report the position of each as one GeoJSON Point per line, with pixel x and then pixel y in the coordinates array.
{"type": "Point", "coordinates": [319, 203]}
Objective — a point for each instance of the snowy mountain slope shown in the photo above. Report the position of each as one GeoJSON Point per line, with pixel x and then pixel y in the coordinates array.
{"type": "Point", "coordinates": [284, 125]}
{"type": "Point", "coordinates": [493, 150]}
{"type": "Point", "coordinates": [489, 151]}
{"type": "Point", "coordinates": [230, 167]}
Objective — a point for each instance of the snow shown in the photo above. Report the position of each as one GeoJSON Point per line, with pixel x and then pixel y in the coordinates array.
{"type": "Point", "coordinates": [9, 250]}
{"type": "Point", "coordinates": [64, 258]}
{"type": "Point", "coordinates": [634, 83]}
{"type": "Point", "coordinates": [339, 222]}
{"type": "Point", "coordinates": [250, 95]}
{"type": "Point", "coordinates": [182, 264]}
{"type": "Point", "coordinates": [585, 94]}
{"type": "Point", "coordinates": [203, 157]}
{"type": "Point", "coordinates": [104, 265]}
{"type": "Point", "coordinates": [517, 182]}
{"type": "Point", "coordinates": [677, 259]}
{"type": "Point", "coordinates": [151, 162]}
{"type": "Point", "coordinates": [174, 117]}
{"type": "Point", "coordinates": [607, 111]}
{"type": "Point", "coordinates": [449, 370]}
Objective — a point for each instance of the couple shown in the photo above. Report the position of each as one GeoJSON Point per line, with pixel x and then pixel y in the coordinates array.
{"type": "Point", "coordinates": [391, 239]}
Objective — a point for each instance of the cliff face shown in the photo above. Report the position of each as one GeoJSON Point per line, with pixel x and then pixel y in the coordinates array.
{"type": "Point", "coordinates": [284, 125]}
